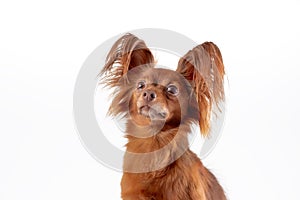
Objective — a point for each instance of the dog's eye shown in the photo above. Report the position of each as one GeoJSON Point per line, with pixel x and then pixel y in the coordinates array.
{"type": "Point", "coordinates": [172, 89]}
{"type": "Point", "coordinates": [141, 85]}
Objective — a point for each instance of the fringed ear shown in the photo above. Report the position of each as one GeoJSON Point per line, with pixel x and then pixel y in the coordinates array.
{"type": "Point", "coordinates": [203, 68]}
{"type": "Point", "coordinates": [128, 52]}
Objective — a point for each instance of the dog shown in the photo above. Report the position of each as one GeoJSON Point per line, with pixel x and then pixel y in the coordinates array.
{"type": "Point", "coordinates": [160, 106]}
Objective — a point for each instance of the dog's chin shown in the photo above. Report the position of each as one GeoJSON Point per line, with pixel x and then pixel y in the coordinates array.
{"type": "Point", "coordinates": [153, 113]}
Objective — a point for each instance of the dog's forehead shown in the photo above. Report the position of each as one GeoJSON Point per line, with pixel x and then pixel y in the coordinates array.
{"type": "Point", "coordinates": [162, 76]}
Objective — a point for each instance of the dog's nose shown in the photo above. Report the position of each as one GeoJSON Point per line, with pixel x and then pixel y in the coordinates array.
{"type": "Point", "coordinates": [149, 95]}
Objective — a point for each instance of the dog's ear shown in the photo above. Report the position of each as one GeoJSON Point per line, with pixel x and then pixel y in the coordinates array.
{"type": "Point", "coordinates": [128, 52]}
{"type": "Point", "coordinates": [203, 68]}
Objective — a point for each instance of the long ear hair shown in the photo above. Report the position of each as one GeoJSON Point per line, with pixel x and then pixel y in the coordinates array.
{"type": "Point", "coordinates": [203, 68]}
{"type": "Point", "coordinates": [128, 52]}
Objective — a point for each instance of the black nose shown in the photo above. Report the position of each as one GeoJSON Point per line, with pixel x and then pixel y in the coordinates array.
{"type": "Point", "coordinates": [149, 95]}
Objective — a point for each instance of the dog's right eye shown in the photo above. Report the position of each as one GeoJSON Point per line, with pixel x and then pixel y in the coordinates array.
{"type": "Point", "coordinates": [172, 89]}
{"type": "Point", "coordinates": [141, 85]}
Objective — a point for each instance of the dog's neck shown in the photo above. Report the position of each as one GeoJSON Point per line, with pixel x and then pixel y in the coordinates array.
{"type": "Point", "coordinates": [150, 149]}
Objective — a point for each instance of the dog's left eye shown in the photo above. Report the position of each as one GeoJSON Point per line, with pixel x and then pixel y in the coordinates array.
{"type": "Point", "coordinates": [172, 89]}
{"type": "Point", "coordinates": [141, 85]}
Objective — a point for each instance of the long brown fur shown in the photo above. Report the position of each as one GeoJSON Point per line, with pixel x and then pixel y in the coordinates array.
{"type": "Point", "coordinates": [158, 164]}
{"type": "Point", "coordinates": [203, 67]}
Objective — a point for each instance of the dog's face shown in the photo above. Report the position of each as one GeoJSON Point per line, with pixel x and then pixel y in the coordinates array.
{"type": "Point", "coordinates": [147, 94]}
{"type": "Point", "coordinates": [159, 94]}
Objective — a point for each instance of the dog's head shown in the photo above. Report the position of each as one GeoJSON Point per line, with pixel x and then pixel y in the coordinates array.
{"type": "Point", "coordinates": [148, 94]}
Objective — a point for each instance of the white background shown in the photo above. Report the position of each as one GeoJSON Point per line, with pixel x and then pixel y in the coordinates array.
{"type": "Point", "coordinates": [43, 45]}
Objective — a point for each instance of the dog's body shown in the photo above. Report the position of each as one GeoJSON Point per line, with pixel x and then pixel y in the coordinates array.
{"type": "Point", "coordinates": [160, 105]}
{"type": "Point", "coordinates": [185, 178]}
